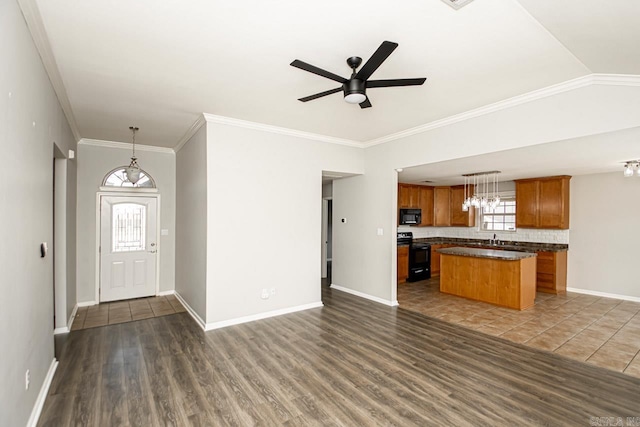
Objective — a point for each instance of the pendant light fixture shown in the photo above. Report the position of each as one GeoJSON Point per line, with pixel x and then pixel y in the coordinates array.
{"type": "Point", "coordinates": [486, 193]}
{"type": "Point", "coordinates": [133, 170]}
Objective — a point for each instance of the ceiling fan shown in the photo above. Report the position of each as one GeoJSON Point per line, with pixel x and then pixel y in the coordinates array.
{"type": "Point", "coordinates": [355, 88]}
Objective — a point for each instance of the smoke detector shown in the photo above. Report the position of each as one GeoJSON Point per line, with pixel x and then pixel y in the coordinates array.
{"type": "Point", "coordinates": [457, 4]}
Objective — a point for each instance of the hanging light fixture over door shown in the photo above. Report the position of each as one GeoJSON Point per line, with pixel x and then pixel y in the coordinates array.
{"type": "Point", "coordinates": [133, 170]}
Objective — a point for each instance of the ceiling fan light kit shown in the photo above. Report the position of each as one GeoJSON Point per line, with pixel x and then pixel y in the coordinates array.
{"type": "Point", "coordinates": [355, 88]}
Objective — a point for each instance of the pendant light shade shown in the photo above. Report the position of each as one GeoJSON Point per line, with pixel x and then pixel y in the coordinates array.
{"type": "Point", "coordinates": [133, 170]}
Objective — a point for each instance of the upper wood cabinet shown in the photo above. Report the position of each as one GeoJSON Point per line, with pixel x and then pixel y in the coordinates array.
{"type": "Point", "coordinates": [442, 206]}
{"type": "Point", "coordinates": [459, 217]}
{"type": "Point", "coordinates": [543, 202]}
{"type": "Point", "coordinates": [426, 205]}
{"type": "Point", "coordinates": [404, 196]}
{"type": "Point", "coordinates": [409, 196]}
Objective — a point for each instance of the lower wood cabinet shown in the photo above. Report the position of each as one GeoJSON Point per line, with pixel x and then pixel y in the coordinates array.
{"type": "Point", "coordinates": [552, 272]}
{"type": "Point", "coordinates": [435, 258]}
{"type": "Point", "coordinates": [403, 263]}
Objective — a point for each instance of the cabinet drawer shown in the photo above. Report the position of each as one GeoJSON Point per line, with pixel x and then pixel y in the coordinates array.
{"type": "Point", "coordinates": [546, 280]}
{"type": "Point", "coordinates": [546, 266]}
{"type": "Point", "coordinates": [546, 255]}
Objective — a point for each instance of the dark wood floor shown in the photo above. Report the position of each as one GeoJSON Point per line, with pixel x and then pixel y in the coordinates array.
{"type": "Point", "coordinates": [352, 362]}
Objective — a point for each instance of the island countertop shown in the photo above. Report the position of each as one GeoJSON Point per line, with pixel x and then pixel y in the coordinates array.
{"type": "Point", "coordinates": [487, 253]}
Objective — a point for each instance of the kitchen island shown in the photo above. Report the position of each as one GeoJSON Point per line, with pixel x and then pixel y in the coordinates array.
{"type": "Point", "coordinates": [505, 278]}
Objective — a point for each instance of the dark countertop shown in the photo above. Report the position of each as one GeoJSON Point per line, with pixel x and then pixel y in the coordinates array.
{"type": "Point", "coordinates": [487, 253]}
{"type": "Point", "coordinates": [503, 245]}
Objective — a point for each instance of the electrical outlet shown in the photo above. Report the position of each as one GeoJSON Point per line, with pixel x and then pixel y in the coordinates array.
{"type": "Point", "coordinates": [273, 291]}
{"type": "Point", "coordinates": [265, 294]}
{"type": "Point", "coordinates": [27, 379]}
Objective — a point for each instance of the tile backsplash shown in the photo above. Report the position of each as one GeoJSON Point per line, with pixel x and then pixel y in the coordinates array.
{"type": "Point", "coordinates": [521, 235]}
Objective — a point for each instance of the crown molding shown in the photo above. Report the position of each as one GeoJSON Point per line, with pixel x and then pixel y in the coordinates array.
{"type": "Point", "coordinates": [124, 146]}
{"type": "Point", "coordinates": [580, 82]}
{"type": "Point", "coordinates": [616, 79]}
{"type": "Point", "coordinates": [195, 127]}
{"type": "Point", "coordinates": [211, 118]}
{"type": "Point", "coordinates": [33, 19]}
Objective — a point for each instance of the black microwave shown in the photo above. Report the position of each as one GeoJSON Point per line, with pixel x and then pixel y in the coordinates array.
{"type": "Point", "coordinates": [410, 216]}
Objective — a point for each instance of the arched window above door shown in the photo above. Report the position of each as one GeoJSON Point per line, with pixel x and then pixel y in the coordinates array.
{"type": "Point", "coordinates": [118, 178]}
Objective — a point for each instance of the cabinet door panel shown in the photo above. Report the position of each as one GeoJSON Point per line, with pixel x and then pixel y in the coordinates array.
{"type": "Point", "coordinates": [414, 197]}
{"type": "Point", "coordinates": [403, 263]}
{"type": "Point", "coordinates": [426, 205]}
{"type": "Point", "coordinates": [527, 204]}
{"type": "Point", "coordinates": [551, 203]}
{"type": "Point", "coordinates": [403, 196]}
{"type": "Point", "coordinates": [442, 205]}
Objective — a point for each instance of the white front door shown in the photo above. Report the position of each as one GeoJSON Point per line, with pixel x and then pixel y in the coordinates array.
{"type": "Point", "coordinates": [128, 247]}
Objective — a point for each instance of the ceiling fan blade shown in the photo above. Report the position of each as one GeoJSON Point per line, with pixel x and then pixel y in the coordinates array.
{"type": "Point", "coordinates": [319, 71]}
{"type": "Point", "coordinates": [320, 95]}
{"type": "Point", "coordinates": [365, 104]}
{"type": "Point", "coordinates": [376, 60]}
{"type": "Point", "coordinates": [396, 82]}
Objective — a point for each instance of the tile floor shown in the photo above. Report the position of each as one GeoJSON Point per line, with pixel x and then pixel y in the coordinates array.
{"type": "Point", "coordinates": [125, 311]}
{"type": "Point", "coordinates": [601, 331]}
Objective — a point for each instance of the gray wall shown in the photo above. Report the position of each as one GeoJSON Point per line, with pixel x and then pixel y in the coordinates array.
{"type": "Point", "coordinates": [191, 222]}
{"type": "Point", "coordinates": [605, 234]}
{"type": "Point", "coordinates": [264, 218]}
{"type": "Point", "coordinates": [26, 214]}
{"type": "Point", "coordinates": [94, 162]}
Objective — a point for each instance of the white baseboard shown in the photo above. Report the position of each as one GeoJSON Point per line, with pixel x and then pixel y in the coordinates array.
{"type": "Point", "coordinates": [66, 329]}
{"type": "Point", "coordinates": [259, 316]}
{"type": "Point", "coordinates": [603, 294]}
{"type": "Point", "coordinates": [42, 396]}
{"type": "Point", "coordinates": [365, 296]}
{"type": "Point", "coordinates": [165, 293]}
{"type": "Point", "coordinates": [191, 311]}
{"type": "Point", "coordinates": [87, 303]}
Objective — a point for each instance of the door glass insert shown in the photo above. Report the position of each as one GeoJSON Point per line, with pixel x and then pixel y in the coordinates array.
{"type": "Point", "coordinates": [128, 227]}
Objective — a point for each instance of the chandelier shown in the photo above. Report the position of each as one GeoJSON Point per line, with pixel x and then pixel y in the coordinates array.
{"type": "Point", "coordinates": [133, 170]}
{"type": "Point", "coordinates": [486, 193]}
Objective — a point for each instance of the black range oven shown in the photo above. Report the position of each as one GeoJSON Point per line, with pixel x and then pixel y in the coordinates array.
{"type": "Point", "coordinates": [419, 257]}
{"type": "Point", "coordinates": [419, 262]}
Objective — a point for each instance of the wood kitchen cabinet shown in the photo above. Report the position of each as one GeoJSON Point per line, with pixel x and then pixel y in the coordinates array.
{"type": "Point", "coordinates": [409, 196]}
{"type": "Point", "coordinates": [551, 275]}
{"type": "Point", "coordinates": [426, 205]}
{"type": "Point", "coordinates": [543, 202]}
{"type": "Point", "coordinates": [403, 263]}
{"type": "Point", "coordinates": [404, 196]}
{"type": "Point", "coordinates": [442, 206]}
{"type": "Point", "coordinates": [460, 218]}
{"type": "Point", "coordinates": [435, 259]}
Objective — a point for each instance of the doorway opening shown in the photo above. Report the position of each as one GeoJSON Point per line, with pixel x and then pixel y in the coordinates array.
{"type": "Point", "coordinates": [327, 219]}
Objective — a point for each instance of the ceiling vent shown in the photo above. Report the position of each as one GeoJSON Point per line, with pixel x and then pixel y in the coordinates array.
{"type": "Point", "coordinates": [457, 4]}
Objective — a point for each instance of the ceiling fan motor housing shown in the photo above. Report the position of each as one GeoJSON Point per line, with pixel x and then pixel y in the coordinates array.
{"type": "Point", "coordinates": [353, 86]}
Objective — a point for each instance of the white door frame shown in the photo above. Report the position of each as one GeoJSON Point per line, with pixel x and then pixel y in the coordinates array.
{"type": "Point", "coordinates": [152, 193]}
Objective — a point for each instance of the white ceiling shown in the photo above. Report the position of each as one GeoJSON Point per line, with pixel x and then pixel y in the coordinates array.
{"type": "Point", "coordinates": [158, 65]}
